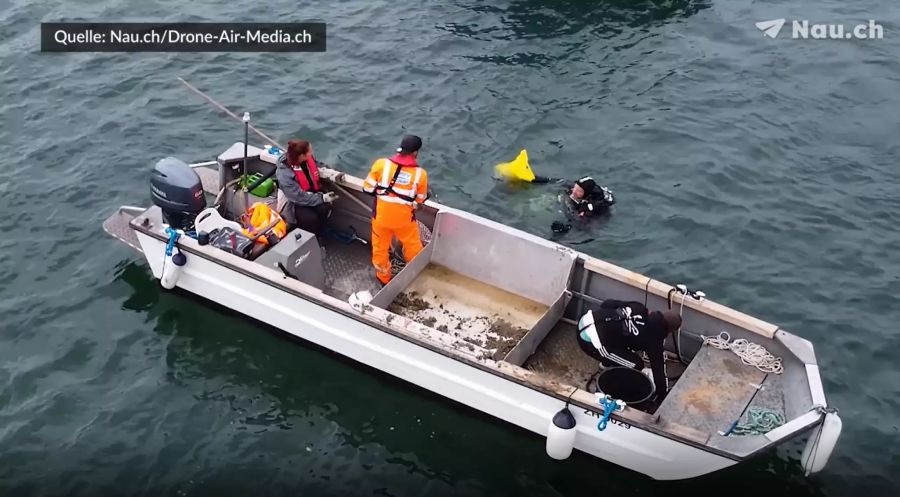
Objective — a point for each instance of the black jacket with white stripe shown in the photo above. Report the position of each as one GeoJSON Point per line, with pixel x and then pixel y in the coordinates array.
{"type": "Point", "coordinates": [646, 334]}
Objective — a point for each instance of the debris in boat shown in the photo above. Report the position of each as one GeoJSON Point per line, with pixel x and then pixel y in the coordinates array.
{"type": "Point", "coordinates": [491, 332]}
{"type": "Point", "coordinates": [555, 367]}
{"type": "Point", "coordinates": [505, 338]}
{"type": "Point", "coordinates": [499, 354]}
{"type": "Point", "coordinates": [560, 357]}
{"type": "Point", "coordinates": [409, 302]}
{"type": "Point", "coordinates": [483, 316]}
{"type": "Point", "coordinates": [505, 329]}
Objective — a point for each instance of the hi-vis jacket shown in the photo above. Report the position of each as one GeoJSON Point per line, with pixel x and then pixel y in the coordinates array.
{"type": "Point", "coordinates": [397, 181]}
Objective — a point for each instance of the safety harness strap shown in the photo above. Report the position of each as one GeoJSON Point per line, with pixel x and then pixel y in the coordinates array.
{"type": "Point", "coordinates": [381, 190]}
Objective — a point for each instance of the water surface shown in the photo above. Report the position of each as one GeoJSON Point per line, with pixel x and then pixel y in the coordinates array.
{"type": "Point", "coordinates": [761, 171]}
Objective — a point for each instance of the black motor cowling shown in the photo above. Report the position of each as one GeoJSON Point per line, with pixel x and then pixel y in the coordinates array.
{"type": "Point", "coordinates": [177, 190]}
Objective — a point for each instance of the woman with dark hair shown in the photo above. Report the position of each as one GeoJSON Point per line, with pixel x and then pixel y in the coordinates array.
{"type": "Point", "coordinates": [298, 180]}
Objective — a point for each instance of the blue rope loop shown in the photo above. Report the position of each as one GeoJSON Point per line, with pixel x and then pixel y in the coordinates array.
{"type": "Point", "coordinates": [173, 236]}
{"type": "Point", "coordinates": [609, 405]}
{"type": "Point", "coordinates": [760, 421]}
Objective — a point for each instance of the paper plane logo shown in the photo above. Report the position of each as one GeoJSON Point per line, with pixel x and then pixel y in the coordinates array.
{"type": "Point", "coordinates": [771, 28]}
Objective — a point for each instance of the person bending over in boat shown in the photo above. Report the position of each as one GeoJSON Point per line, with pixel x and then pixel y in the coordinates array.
{"type": "Point", "coordinates": [616, 331]}
{"type": "Point", "coordinates": [298, 179]}
{"type": "Point", "coordinates": [582, 199]}
{"type": "Point", "coordinates": [399, 184]}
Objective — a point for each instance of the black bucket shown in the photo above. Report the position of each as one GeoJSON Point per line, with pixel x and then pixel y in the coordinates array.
{"type": "Point", "coordinates": [628, 385]}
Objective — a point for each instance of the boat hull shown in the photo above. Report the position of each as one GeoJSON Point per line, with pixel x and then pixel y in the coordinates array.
{"type": "Point", "coordinates": [656, 456]}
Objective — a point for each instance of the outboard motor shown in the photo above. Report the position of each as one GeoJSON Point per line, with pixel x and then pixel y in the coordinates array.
{"type": "Point", "coordinates": [177, 190]}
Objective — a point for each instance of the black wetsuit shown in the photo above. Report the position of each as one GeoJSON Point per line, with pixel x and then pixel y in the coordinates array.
{"type": "Point", "coordinates": [620, 341]}
{"type": "Point", "coordinates": [592, 204]}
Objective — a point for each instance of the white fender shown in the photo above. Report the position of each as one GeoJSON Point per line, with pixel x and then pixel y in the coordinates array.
{"type": "Point", "coordinates": [561, 435]}
{"type": "Point", "coordinates": [172, 269]}
{"type": "Point", "coordinates": [821, 443]}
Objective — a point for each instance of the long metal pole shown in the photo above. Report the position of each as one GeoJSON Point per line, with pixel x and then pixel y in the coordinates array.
{"type": "Point", "coordinates": [224, 109]}
{"type": "Point", "coordinates": [244, 179]}
{"type": "Point", "coordinates": [265, 137]}
{"type": "Point", "coordinates": [246, 138]}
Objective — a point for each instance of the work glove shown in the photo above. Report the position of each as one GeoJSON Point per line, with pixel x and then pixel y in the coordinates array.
{"type": "Point", "coordinates": [329, 197]}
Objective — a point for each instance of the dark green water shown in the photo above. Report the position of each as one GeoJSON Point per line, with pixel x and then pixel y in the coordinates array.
{"type": "Point", "coordinates": [763, 171]}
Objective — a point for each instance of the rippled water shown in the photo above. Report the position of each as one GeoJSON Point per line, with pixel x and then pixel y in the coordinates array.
{"type": "Point", "coordinates": [762, 171]}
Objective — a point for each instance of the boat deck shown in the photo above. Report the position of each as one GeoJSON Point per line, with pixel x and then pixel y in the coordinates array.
{"type": "Point", "coordinates": [117, 226]}
{"type": "Point", "coordinates": [714, 390]}
{"type": "Point", "coordinates": [348, 269]}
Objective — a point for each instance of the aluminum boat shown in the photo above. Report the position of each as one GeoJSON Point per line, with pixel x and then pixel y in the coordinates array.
{"type": "Point", "coordinates": [485, 315]}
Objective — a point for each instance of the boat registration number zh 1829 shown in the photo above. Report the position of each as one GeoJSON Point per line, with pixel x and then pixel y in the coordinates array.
{"type": "Point", "coordinates": [611, 420]}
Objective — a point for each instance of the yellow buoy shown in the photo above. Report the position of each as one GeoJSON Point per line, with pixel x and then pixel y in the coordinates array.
{"type": "Point", "coordinates": [517, 170]}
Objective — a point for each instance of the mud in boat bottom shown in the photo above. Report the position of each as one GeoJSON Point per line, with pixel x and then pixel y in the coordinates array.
{"type": "Point", "coordinates": [559, 357]}
{"type": "Point", "coordinates": [481, 314]}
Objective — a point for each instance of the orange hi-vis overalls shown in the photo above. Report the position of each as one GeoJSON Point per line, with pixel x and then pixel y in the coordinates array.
{"type": "Point", "coordinates": [398, 184]}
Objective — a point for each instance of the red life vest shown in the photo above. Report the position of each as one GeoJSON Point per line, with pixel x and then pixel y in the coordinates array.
{"type": "Point", "coordinates": [301, 175]}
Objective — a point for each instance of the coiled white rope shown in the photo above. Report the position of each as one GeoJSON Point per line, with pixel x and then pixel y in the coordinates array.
{"type": "Point", "coordinates": [751, 354]}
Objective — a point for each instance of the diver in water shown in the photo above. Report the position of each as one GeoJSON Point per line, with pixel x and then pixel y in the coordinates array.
{"type": "Point", "coordinates": [580, 200]}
